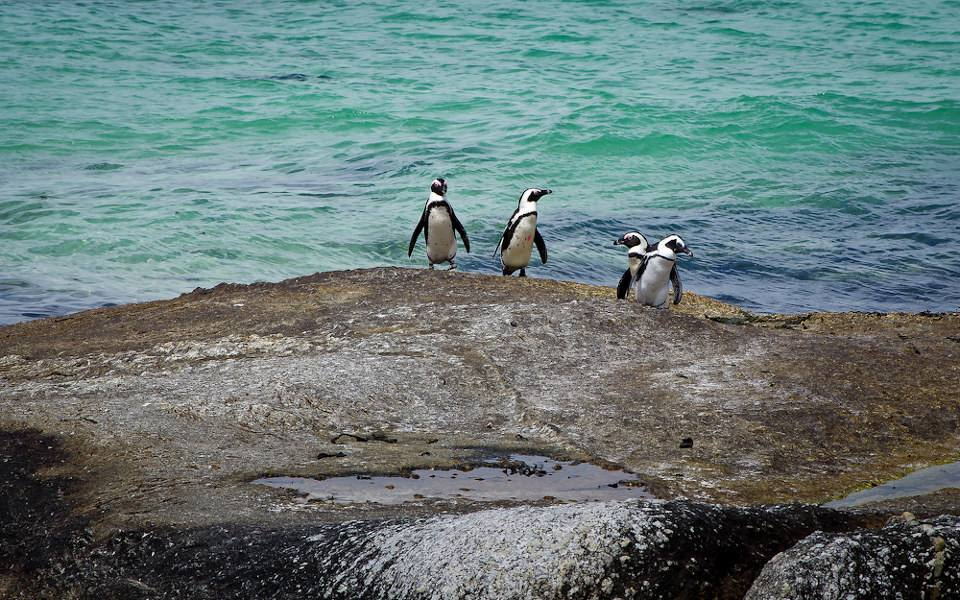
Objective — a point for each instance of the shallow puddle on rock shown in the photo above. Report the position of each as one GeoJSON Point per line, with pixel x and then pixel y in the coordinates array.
{"type": "Point", "coordinates": [517, 478]}
{"type": "Point", "coordinates": [924, 481]}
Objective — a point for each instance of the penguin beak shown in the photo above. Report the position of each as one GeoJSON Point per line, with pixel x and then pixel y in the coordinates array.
{"type": "Point", "coordinates": [541, 194]}
{"type": "Point", "coordinates": [620, 242]}
{"type": "Point", "coordinates": [687, 251]}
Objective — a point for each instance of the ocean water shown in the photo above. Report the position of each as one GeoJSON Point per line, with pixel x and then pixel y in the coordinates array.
{"type": "Point", "coordinates": [809, 152]}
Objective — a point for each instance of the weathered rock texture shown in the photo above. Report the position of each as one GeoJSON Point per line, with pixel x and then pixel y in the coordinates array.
{"type": "Point", "coordinates": [907, 559]}
{"type": "Point", "coordinates": [159, 415]}
{"type": "Point", "coordinates": [175, 405]}
{"type": "Point", "coordinates": [630, 549]}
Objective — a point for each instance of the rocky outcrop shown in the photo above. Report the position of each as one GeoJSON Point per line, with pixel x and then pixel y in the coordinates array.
{"type": "Point", "coordinates": [160, 415]}
{"type": "Point", "coordinates": [629, 549]}
{"type": "Point", "coordinates": [174, 404]}
{"type": "Point", "coordinates": [906, 559]}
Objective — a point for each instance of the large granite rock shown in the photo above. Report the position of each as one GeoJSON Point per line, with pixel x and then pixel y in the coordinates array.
{"type": "Point", "coordinates": [159, 415]}
{"type": "Point", "coordinates": [906, 559]}
{"type": "Point", "coordinates": [170, 407]}
{"type": "Point", "coordinates": [627, 549]}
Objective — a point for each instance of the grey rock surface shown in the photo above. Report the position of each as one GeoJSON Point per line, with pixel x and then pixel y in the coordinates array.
{"type": "Point", "coordinates": [152, 420]}
{"type": "Point", "coordinates": [170, 408]}
{"type": "Point", "coordinates": [904, 560]}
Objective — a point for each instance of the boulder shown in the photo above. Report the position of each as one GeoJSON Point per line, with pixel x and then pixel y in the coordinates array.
{"type": "Point", "coordinates": [624, 549]}
{"type": "Point", "coordinates": [906, 559]}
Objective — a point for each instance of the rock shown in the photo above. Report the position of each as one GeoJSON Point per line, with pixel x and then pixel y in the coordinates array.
{"type": "Point", "coordinates": [627, 549]}
{"type": "Point", "coordinates": [141, 398]}
{"type": "Point", "coordinates": [323, 455]}
{"type": "Point", "coordinates": [905, 559]}
{"type": "Point", "coordinates": [330, 353]}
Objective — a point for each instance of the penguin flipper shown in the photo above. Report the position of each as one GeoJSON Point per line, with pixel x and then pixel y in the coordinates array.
{"type": "Point", "coordinates": [416, 232]}
{"type": "Point", "coordinates": [459, 227]}
{"type": "Point", "coordinates": [500, 244]}
{"type": "Point", "coordinates": [623, 288]}
{"type": "Point", "coordinates": [507, 234]}
{"type": "Point", "coordinates": [541, 246]}
{"type": "Point", "coordinates": [677, 286]}
{"type": "Point", "coordinates": [505, 238]}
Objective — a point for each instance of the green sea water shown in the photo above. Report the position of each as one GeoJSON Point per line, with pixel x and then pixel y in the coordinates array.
{"type": "Point", "coordinates": [809, 152]}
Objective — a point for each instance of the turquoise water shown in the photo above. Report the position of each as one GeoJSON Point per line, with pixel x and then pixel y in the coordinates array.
{"type": "Point", "coordinates": [809, 152]}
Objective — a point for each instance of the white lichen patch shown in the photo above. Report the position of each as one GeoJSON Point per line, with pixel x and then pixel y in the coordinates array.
{"type": "Point", "coordinates": [514, 553]}
{"type": "Point", "coordinates": [231, 347]}
{"type": "Point", "coordinates": [159, 357]}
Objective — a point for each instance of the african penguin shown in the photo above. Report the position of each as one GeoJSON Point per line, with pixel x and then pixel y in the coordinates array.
{"type": "Point", "coordinates": [657, 271]}
{"type": "Point", "coordinates": [520, 234]}
{"type": "Point", "coordinates": [637, 246]}
{"type": "Point", "coordinates": [438, 223]}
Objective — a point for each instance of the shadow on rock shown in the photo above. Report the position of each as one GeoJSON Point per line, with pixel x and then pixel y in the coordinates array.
{"type": "Point", "coordinates": [36, 527]}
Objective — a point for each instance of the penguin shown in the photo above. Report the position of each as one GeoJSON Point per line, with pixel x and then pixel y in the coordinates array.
{"type": "Point", "coordinates": [637, 246]}
{"type": "Point", "coordinates": [656, 271]}
{"type": "Point", "coordinates": [438, 223]}
{"type": "Point", "coordinates": [520, 234]}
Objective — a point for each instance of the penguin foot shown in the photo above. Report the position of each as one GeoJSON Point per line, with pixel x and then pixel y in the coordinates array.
{"type": "Point", "coordinates": [452, 267]}
{"type": "Point", "coordinates": [431, 266]}
{"type": "Point", "coordinates": [523, 273]}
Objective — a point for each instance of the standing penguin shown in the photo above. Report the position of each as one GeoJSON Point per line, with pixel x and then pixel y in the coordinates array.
{"type": "Point", "coordinates": [520, 234]}
{"type": "Point", "coordinates": [637, 246]}
{"type": "Point", "coordinates": [438, 223]}
{"type": "Point", "coordinates": [656, 272]}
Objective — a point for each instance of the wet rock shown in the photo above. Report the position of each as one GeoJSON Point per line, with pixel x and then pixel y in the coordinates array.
{"type": "Point", "coordinates": [631, 549]}
{"type": "Point", "coordinates": [906, 559]}
{"type": "Point", "coordinates": [337, 439]}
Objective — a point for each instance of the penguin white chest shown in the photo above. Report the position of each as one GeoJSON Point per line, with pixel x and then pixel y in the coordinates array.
{"type": "Point", "coordinates": [441, 244]}
{"type": "Point", "coordinates": [654, 284]}
{"type": "Point", "coordinates": [517, 254]}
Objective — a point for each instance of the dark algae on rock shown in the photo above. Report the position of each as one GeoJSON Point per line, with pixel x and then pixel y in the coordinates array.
{"type": "Point", "coordinates": [627, 549]}
{"type": "Point", "coordinates": [37, 526]}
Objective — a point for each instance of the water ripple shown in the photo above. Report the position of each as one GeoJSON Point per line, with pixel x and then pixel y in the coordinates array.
{"type": "Point", "coordinates": [809, 154]}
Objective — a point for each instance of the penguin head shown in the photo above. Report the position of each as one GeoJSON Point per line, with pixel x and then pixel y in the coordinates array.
{"type": "Point", "coordinates": [633, 239]}
{"type": "Point", "coordinates": [533, 194]}
{"type": "Point", "coordinates": [675, 244]}
{"type": "Point", "coordinates": [439, 186]}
